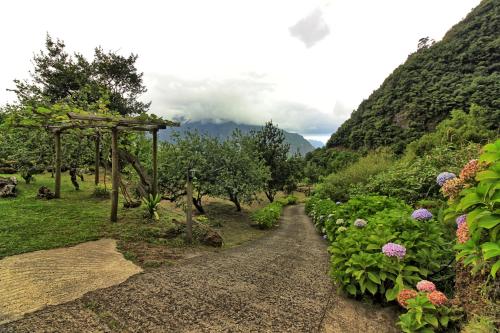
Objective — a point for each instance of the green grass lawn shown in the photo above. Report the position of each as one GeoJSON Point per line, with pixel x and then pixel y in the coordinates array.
{"type": "Point", "coordinates": [29, 224]}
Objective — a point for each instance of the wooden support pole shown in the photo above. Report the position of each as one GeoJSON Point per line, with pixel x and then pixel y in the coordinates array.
{"type": "Point", "coordinates": [57, 191]}
{"type": "Point", "coordinates": [114, 175]}
{"type": "Point", "coordinates": [155, 162]}
{"type": "Point", "coordinates": [97, 157]}
{"type": "Point", "coordinates": [189, 208]}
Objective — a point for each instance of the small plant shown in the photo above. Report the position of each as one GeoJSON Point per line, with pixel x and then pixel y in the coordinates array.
{"type": "Point", "coordinates": [152, 202]}
{"type": "Point", "coordinates": [268, 216]}
{"type": "Point", "coordinates": [424, 315]}
{"type": "Point", "coordinates": [100, 191]}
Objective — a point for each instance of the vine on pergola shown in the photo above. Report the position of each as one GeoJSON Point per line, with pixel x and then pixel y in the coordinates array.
{"type": "Point", "coordinates": [61, 118]}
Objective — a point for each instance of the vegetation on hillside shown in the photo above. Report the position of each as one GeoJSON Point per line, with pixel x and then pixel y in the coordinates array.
{"type": "Point", "coordinates": [461, 70]}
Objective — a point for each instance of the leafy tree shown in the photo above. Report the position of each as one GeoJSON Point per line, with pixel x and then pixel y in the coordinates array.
{"type": "Point", "coordinates": [241, 173]}
{"type": "Point", "coordinates": [193, 153]}
{"type": "Point", "coordinates": [270, 143]}
{"type": "Point", "coordinates": [58, 76]}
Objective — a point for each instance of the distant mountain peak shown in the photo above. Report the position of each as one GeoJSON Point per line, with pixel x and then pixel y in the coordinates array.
{"type": "Point", "coordinates": [224, 129]}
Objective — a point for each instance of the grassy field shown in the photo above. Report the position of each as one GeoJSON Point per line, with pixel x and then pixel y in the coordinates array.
{"type": "Point", "coordinates": [30, 224]}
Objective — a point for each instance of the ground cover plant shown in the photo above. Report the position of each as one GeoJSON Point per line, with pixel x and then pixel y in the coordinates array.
{"type": "Point", "coordinates": [268, 217]}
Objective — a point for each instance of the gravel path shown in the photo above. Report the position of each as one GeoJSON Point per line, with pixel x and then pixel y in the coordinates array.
{"type": "Point", "coordinates": [278, 283]}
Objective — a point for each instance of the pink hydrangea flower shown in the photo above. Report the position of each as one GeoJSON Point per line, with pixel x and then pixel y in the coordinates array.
{"type": "Point", "coordinates": [437, 298]}
{"type": "Point", "coordinates": [426, 286]}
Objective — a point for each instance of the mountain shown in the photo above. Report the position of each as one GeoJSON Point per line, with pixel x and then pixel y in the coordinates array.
{"type": "Point", "coordinates": [316, 143]}
{"type": "Point", "coordinates": [460, 70]}
{"type": "Point", "coordinates": [224, 130]}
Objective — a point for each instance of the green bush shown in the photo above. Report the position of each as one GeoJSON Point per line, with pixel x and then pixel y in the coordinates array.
{"type": "Point", "coordinates": [413, 178]}
{"type": "Point", "coordinates": [288, 200]}
{"type": "Point", "coordinates": [268, 216]}
{"type": "Point", "coordinates": [336, 186]}
{"type": "Point", "coordinates": [359, 266]}
{"type": "Point", "coordinates": [480, 201]}
{"type": "Point", "coordinates": [423, 316]}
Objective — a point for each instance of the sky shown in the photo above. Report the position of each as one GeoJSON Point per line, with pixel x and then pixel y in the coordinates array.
{"type": "Point", "coordinates": [304, 64]}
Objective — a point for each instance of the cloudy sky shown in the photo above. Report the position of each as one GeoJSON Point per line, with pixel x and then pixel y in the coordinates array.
{"type": "Point", "coordinates": [305, 64]}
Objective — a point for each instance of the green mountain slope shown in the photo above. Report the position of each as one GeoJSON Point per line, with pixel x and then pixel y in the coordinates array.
{"type": "Point", "coordinates": [224, 130]}
{"type": "Point", "coordinates": [460, 70]}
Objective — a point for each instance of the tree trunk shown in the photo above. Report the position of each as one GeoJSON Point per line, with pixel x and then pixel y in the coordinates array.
{"type": "Point", "coordinates": [234, 199]}
{"type": "Point", "coordinates": [197, 204]}
{"type": "Point", "coordinates": [146, 182]}
{"type": "Point", "coordinates": [270, 196]}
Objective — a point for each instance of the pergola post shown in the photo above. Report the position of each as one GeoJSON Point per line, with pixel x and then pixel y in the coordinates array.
{"type": "Point", "coordinates": [97, 157]}
{"type": "Point", "coordinates": [115, 174]}
{"type": "Point", "coordinates": [189, 207]}
{"type": "Point", "coordinates": [155, 162]}
{"type": "Point", "coordinates": [57, 191]}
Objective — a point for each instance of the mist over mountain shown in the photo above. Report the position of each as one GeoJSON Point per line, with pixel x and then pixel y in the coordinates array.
{"type": "Point", "coordinates": [316, 143]}
{"type": "Point", "coordinates": [224, 129]}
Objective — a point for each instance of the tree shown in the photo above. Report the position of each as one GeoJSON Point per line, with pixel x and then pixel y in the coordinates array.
{"type": "Point", "coordinates": [270, 144]}
{"type": "Point", "coordinates": [241, 171]}
{"type": "Point", "coordinates": [60, 77]}
{"type": "Point", "coordinates": [192, 153]}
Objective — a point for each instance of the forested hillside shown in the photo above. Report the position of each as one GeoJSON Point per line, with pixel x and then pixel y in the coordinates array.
{"type": "Point", "coordinates": [461, 70]}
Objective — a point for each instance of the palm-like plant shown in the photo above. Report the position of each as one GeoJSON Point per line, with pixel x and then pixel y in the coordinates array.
{"type": "Point", "coordinates": [152, 202]}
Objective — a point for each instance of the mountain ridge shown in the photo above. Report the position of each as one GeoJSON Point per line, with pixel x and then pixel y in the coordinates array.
{"type": "Point", "coordinates": [224, 129]}
{"type": "Point", "coordinates": [460, 70]}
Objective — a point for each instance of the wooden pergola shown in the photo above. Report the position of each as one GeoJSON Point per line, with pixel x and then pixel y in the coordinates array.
{"type": "Point", "coordinates": [115, 124]}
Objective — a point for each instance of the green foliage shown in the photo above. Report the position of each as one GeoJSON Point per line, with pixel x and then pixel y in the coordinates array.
{"type": "Point", "coordinates": [422, 316]}
{"type": "Point", "coordinates": [273, 149]}
{"type": "Point", "coordinates": [151, 204]}
{"type": "Point", "coordinates": [324, 161]}
{"type": "Point", "coordinates": [454, 73]}
{"type": "Point", "coordinates": [288, 200]}
{"type": "Point", "coordinates": [100, 191]}
{"type": "Point", "coordinates": [413, 178]}
{"type": "Point", "coordinates": [240, 171]}
{"type": "Point", "coordinates": [480, 324]}
{"type": "Point", "coordinates": [358, 264]}
{"type": "Point", "coordinates": [336, 185]}
{"type": "Point", "coordinates": [360, 267]}
{"type": "Point", "coordinates": [481, 203]}
{"type": "Point", "coordinates": [268, 216]}
{"type": "Point", "coordinates": [61, 77]}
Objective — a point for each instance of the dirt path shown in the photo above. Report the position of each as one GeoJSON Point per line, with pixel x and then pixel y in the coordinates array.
{"type": "Point", "coordinates": [278, 283]}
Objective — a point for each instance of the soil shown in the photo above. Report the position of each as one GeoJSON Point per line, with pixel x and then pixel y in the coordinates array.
{"type": "Point", "coordinates": [278, 283]}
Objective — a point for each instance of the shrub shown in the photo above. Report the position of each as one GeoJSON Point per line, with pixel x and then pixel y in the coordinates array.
{"type": "Point", "coordinates": [413, 178]}
{"type": "Point", "coordinates": [477, 238]}
{"type": "Point", "coordinates": [288, 200]}
{"type": "Point", "coordinates": [152, 202]}
{"type": "Point", "coordinates": [336, 186]}
{"type": "Point", "coordinates": [268, 216]}
{"type": "Point", "coordinates": [359, 266]}
{"type": "Point", "coordinates": [424, 316]}
{"type": "Point", "coordinates": [100, 191]}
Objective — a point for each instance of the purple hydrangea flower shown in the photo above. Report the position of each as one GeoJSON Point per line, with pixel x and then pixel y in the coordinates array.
{"type": "Point", "coordinates": [394, 250]}
{"type": "Point", "coordinates": [443, 177]}
{"type": "Point", "coordinates": [421, 214]}
{"type": "Point", "coordinates": [325, 236]}
{"type": "Point", "coordinates": [360, 223]}
{"type": "Point", "coordinates": [461, 219]}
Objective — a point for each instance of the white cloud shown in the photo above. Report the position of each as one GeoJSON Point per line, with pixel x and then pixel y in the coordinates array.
{"type": "Point", "coordinates": [311, 29]}
{"type": "Point", "coordinates": [206, 49]}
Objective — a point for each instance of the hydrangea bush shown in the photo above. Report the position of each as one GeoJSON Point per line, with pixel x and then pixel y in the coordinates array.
{"type": "Point", "coordinates": [392, 251]}
{"type": "Point", "coordinates": [475, 205]}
